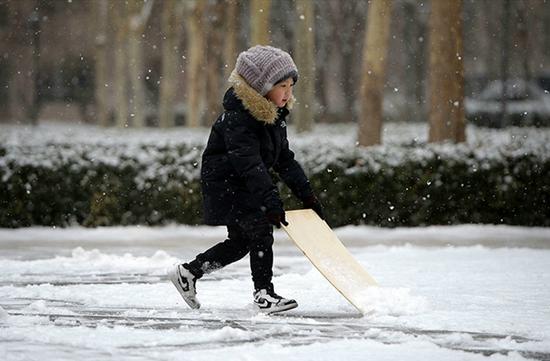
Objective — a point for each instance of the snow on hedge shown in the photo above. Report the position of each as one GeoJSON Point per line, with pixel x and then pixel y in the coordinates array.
{"type": "Point", "coordinates": [156, 152]}
{"type": "Point", "coordinates": [178, 150]}
{"type": "Point", "coordinates": [150, 176]}
{"type": "Point", "coordinates": [405, 142]}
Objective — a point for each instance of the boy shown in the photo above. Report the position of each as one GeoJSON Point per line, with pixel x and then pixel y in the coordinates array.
{"type": "Point", "coordinates": [247, 141]}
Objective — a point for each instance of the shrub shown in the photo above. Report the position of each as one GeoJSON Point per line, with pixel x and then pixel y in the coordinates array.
{"type": "Point", "coordinates": [396, 185]}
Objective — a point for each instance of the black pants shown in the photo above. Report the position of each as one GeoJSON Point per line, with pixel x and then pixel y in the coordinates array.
{"type": "Point", "coordinates": [253, 235]}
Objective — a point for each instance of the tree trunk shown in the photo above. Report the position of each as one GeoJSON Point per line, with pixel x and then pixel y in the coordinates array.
{"type": "Point", "coordinates": [523, 38]}
{"type": "Point", "coordinates": [259, 21]}
{"type": "Point", "coordinates": [230, 37]}
{"type": "Point", "coordinates": [352, 65]}
{"type": "Point", "coordinates": [171, 19]}
{"type": "Point", "coordinates": [139, 13]}
{"type": "Point", "coordinates": [195, 70]}
{"type": "Point", "coordinates": [536, 12]}
{"type": "Point", "coordinates": [305, 61]}
{"type": "Point", "coordinates": [546, 32]}
{"type": "Point", "coordinates": [408, 78]}
{"type": "Point", "coordinates": [446, 77]}
{"type": "Point", "coordinates": [101, 78]}
{"type": "Point", "coordinates": [214, 61]}
{"type": "Point", "coordinates": [35, 19]}
{"type": "Point", "coordinates": [121, 66]}
{"type": "Point", "coordinates": [415, 53]}
{"type": "Point", "coordinates": [374, 72]}
{"type": "Point", "coordinates": [20, 84]}
{"type": "Point", "coordinates": [492, 11]}
{"type": "Point", "coordinates": [504, 62]}
{"type": "Point", "coordinates": [335, 96]}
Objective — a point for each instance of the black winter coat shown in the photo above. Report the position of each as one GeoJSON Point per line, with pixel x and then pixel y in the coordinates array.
{"type": "Point", "coordinates": [247, 141]}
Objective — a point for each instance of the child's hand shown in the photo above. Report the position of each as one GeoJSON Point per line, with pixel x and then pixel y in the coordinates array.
{"type": "Point", "coordinates": [276, 217]}
{"type": "Point", "coordinates": [313, 203]}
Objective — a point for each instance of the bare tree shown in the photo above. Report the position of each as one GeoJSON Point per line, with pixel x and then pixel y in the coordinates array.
{"type": "Point", "coordinates": [101, 14]}
{"type": "Point", "coordinates": [139, 13]}
{"type": "Point", "coordinates": [374, 72]}
{"type": "Point", "coordinates": [172, 13]}
{"type": "Point", "coordinates": [351, 28]}
{"type": "Point", "coordinates": [492, 13]}
{"type": "Point", "coordinates": [523, 37]}
{"type": "Point", "coordinates": [504, 64]}
{"type": "Point", "coordinates": [214, 61]}
{"type": "Point", "coordinates": [121, 74]}
{"type": "Point", "coordinates": [22, 61]}
{"type": "Point", "coordinates": [259, 21]}
{"type": "Point", "coordinates": [535, 25]}
{"type": "Point", "coordinates": [446, 79]}
{"type": "Point", "coordinates": [35, 24]}
{"type": "Point", "coordinates": [333, 62]}
{"type": "Point", "coordinates": [230, 36]}
{"type": "Point", "coordinates": [195, 69]}
{"type": "Point", "coordinates": [18, 62]}
{"type": "Point", "coordinates": [414, 68]}
{"type": "Point", "coordinates": [546, 32]}
{"type": "Point", "coordinates": [305, 59]}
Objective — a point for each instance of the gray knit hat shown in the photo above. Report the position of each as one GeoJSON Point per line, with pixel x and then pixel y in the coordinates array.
{"type": "Point", "coordinates": [264, 66]}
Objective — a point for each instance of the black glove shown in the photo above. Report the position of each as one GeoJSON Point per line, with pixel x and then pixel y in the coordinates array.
{"type": "Point", "coordinates": [276, 217]}
{"type": "Point", "coordinates": [313, 203]}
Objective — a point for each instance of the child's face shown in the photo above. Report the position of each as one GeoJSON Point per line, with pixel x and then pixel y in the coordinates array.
{"type": "Point", "coordinates": [281, 92]}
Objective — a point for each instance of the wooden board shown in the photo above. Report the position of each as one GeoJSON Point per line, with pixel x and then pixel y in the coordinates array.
{"type": "Point", "coordinates": [320, 245]}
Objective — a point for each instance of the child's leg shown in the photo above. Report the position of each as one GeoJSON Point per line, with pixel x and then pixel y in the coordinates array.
{"type": "Point", "coordinates": [258, 235]}
{"type": "Point", "coordinates": [252, 234]}
{"type": "Point", "coordinates": [220, 255]}
{"type": "Point", "coordinates": [184, 276]}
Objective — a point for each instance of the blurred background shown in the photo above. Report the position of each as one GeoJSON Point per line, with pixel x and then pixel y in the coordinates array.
{"type": "Point", "coordinates": [408, 112]}
{"type": "Point", "coordinates": [165, 62]}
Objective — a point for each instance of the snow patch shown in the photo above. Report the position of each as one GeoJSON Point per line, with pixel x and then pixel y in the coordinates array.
{"type": "Point", "coordinates": [3, 314]}
{"type": "Point", "coordinates": [120, 234]}
{"type": "Point", "coordinates": [40, 307]}
{"type": "Point", "coordinates": [392, 301]}
{"type": "Point", "coordinates": [92, 261]}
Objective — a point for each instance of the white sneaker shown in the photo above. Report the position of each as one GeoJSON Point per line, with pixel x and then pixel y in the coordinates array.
{"type": "Point", "coordinates": [184, 281]}
{"type": "Point", "coordinates": [269, 302]}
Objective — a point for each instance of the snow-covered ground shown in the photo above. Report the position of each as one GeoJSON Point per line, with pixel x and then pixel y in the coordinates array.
{"type": "Point", "coordinates": [447, 293]}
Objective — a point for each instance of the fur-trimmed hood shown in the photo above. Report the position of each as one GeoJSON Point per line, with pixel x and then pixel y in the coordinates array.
{"type": "Point", "coordinates": [260, 107]}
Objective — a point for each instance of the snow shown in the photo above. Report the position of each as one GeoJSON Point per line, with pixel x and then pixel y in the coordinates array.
{"type": "Point", "coordinates": [446, 293]}
{"type": "Point", "coordinates": [54, 144]}
{"type": "Point", "coordinates": [460, 235]}
{"type": "Point", "coordinates": [3, 314]}
{"type": "Point", "coordinates": [467, 292]}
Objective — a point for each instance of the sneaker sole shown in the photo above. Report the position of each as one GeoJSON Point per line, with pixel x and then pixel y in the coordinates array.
{"type": "Point", "coordinates": [284, 308]}
{"type": "Point", "coordinates": [174, 278]}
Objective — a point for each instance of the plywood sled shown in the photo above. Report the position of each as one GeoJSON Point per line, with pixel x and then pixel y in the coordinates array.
{"type": "Point", "coordinates": [321, 246]}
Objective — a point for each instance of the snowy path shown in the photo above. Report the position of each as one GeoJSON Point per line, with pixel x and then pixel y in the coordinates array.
{"type": "Point", "coordinates": [81, 295]}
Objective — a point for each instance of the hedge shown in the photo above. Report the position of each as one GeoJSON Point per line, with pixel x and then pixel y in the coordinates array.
{"type": "Point", "coordinates": [399, 185]}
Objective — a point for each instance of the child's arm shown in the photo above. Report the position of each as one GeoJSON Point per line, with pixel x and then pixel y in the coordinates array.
{"type": "Point", "coordinates": [295, 178]}
{"type": "Point", "coordinates": [292, 174]}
